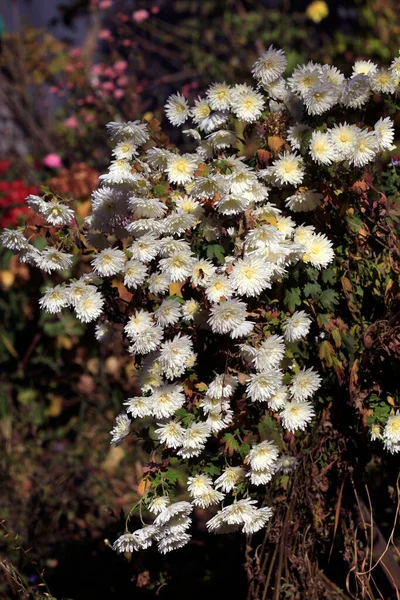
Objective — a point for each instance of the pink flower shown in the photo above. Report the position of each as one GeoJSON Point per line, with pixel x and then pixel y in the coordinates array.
{"type": "Point", "coordinates": [105, 4]}
{"type": "Point", "coordinates": [119, 94]}
{"type": "Point", "coordinates": [122, 81]}
{"type": "Point", "coordinates": [104, 34]}
{"type": "Point", "coordinates": [155, 9]}
{"type": "Point", "coordinates": [97, 69]}
{"type": "Point", "coordinates": [89, 118]}
{"type": "Point", "coordinates": [53, 161]}
{"type": "Point", "coordinates": [120, 65]}
{"type": "Point", "coordinates": [71, 122]}
{"type": "Point", "coordinates": [140, 15]}
{"type": "Point", "coordinates": [74, 52]}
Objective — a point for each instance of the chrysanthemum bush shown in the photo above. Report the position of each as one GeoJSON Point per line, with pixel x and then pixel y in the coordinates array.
{"type": "Point", "coordinates": [209, 243]}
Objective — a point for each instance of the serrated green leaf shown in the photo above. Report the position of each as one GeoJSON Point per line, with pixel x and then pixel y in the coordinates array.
{"type": "Point", "coordinates": [292, 298]}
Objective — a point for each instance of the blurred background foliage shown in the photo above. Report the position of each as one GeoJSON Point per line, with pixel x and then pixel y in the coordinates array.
{"type": "Point", "coordinates": [63, 488]}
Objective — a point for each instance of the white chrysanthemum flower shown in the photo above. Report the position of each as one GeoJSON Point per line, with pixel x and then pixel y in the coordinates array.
{"type": "Point", "coordinates": [319, 250]}
{"type": "Point", "coordinates": [262, 386]}
{"type": "Point", "coordinates": [246, 103]}
{"type": "Point", "coordinates": [219, 96]}
{"type": "Point", "coordinates": [304, 77]}
{"type": "Point", "coordinates": [141, 227]}
{"type": "Point", "coordinates": [108, 262]}
{"type": "Point", "coordinates": [320, 97]}
{"type": "Point", "coordinates": [190, 310]}
{"type": "Point", "coordinates": [158, 283]}
{"type": "Point", "coordinates": [270, 353]}
{"type": "Point", "coordinates": [135, 274]}
{"type": "Point", "coordinates": [146, 340]}
{"type": "Point", "coordinates": [364, 67]}
{"type": "Point", "coordinates": [304, 384]}
{"type": "Point", "coordinates": [178, 266]}
{"type": "Point", "coordinates": [51, 259]}
{"type": "Point", "coordinates": [391, 434]}
{"type": "Point", "coordinates": [54, 299]}
{"type": "Point", "coordinates": [168, 313]}
{"type": "Point", "coordinates": [231, 204]}
{"type": "Point", "coordinates": [177, 109]}
{"type": "Point", "coordinates": [384, 129]}
{"type": "Point", "coordinates": [135, 131]}
{"type": "Point", "coordinates": [226, 316]}
{"type": "Point", "coordinates": [279, 399]}
{"type": "Point", "coordinates": [223, 139]}
{"type": "Point", "coordinates": [181, 168]}
{"type": "Point", "coordinates": [157, 505]}
{"type": "Point", "coordinates": [208, 187]}
{"type": "Point", "coordinates": [333, 75]}
{"type": "Point", "coordinates": [258, 521]}
{"type": "Point", "coordinates": [218, 420]}
{"type": "Point", "coordinates": [242, 330]}
{"type": "Point", "coordinates": [250, 276]}
{"type": "Point", "coordinates": [285, 225]}
{"type": "Point", "coordinates": [203, 270]}
{"type": "Point", "coordinates": [287, 464]}
{"type": "Point", "coordinates": [145, 248]}
{"type": "Point", "coordinates": [157, 158]}
{"type": "Point", "coordinates": [279, 90]}
{"type": "Point", "coordinates": [139, 407]}
{"type": "Point", "coordinates": [230, 478]}
{"type": "Point", "coordinates": [138, 322]}
{"type": "Point", "coordinates": [166, 400]}
{"type": "Point", "coordinates": [56, 213]}
{"type": "Point", "coordinates": [77, 289]}
{"type": "Point", "coordinates": [356, 91]}
{"type": "Point", "coordinates": [104, 332]}
{"type": "Point", "coordinates": [36, 203]}
{"type": "Point", "coordinates": [125, 150]}
{"type": "Point", "coordinates": [14, 240]}
{"type": "Point", "coordinates": [382, 81]}
{"type": "Point", "coordinates": [241, 180]}
{"type": "Point", "coordinates": [169, 246]}
{"type": "Point", "coordinates": [344, 139]}
{"type": "Point", "coordinates": [321, 148]}
{"type": "Point", "coordinates": [288, 168]}
{"type": "Point", "coordinates": [376, 432]}
{"type": "Point", "coordinates": [194, 440]}
{"type": "Point", "coordinates": [297, 326]}
{"type": "Point", "coordinates": [89, 306]}
{"type": "Point", "coordinates": [365, 148]}
{"type": "Point", "coordinates": [173, 542]}
{"type": "Point", "coordinates": [270, 65]}
{"type": "Point", "coordinates": [395, 66]}
{"type": "Point", "coordinates": [304, 200]}
{"type": "Point", "coordinates": [202, 492]}
{"type": "Point", "coordinates": [189, 205]}
{"type": "Point", "coordinates": [171, 434]}
{"type": "Point", "coordinates": [297, 135]}
{"type": "Point", "coordinates": [147, 208]}
{"type": "Point", "coordinates": [240, 512]}
{"type": "Point", "coordinates": [297, 415]}
{"type": "Point", "coordinates": [262, 237]}
{"type": "Point", "coordinates": [174, 355]}
{"type": "Point", "coordinates": [178, 509]}
{"type": "Point", "coordinates": [119, 171]}
{"type": "Point", "coordinates": [120, 430]}
{"type": "Point", "coordinates": [178, 222]}
{"type": "Point", "coordinates": [222, 386]}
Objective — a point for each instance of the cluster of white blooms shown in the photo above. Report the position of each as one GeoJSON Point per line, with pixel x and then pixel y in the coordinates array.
{"type": "Point", "coordinates": [198, 240]}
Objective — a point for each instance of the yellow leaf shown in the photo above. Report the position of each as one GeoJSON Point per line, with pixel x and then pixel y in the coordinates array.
{"type": "Point", "coordinates": [114, 457]}
{"type": "Point", "coordinates": [55, 408]}
{"type": "Point", "coordinates": [175, 289]}
{"type": "Point", "coordinates": [326, 351]}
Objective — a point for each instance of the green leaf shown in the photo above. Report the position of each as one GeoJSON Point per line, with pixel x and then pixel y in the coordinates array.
{"type": "Point", "coordinates": [313, 290]}
{"type": "Point", "coordinates": [231, 443]}
{"type": "Point", "coordinates": [329, 275]}
{"type": "Point", "coordinates": [328, 299]}
{"type": "Point", "coordinates": [217, 251]}
{"type": "Point", "coordinates": [292, 298]}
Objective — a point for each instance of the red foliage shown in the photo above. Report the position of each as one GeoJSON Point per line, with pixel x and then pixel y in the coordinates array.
{"type": "Point", "coordinates": [12, 198]}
